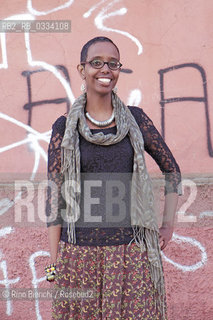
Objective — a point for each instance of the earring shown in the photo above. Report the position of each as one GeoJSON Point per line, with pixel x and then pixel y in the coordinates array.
{"type": "Point", "coordinates": [83, 87]}
{"type": "Point", "coordinates": [115, 89]}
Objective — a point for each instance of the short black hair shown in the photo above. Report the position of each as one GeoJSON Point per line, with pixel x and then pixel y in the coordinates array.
{"type": "Point", "coordinates": [85, 48]}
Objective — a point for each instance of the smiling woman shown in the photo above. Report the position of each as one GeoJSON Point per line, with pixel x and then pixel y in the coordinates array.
{"type": "Point", "coordinates": [100, 71]}
{"type": "Point", "coordinates": [104, 237]}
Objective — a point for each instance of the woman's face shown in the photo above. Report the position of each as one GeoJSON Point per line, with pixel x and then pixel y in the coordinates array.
{"type": "Point", "coordinates": [102, 80]}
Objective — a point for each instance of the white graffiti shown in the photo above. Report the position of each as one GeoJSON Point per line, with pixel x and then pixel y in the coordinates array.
{"type": "Point", "coordinates": [5, 204]}
{"type": "Point", "coordinates": [48, 67]}
{"type": "Point", "coordinates": [181, 239]}
{"type": "Point", "coordinates": [33, 136]}
{"type": "Point", "coordinates": [35, 280]}
{"type": "Point", "coordinates": [32, 139]}
{"type": "Point", "coordinates": [105, 14]}
{"type": "Point", "coordinates": [4, 64]}
{"type": "Point", "coordinates": [35, 12]}
{"type": "Point", "coordinates": [5, 231]}
{"type": "Point", "coordinates": [6, 282]}
{"type": "Point", "coordinates": [89, 12]}
{"type": "Point", "coordinates": [134, 98]}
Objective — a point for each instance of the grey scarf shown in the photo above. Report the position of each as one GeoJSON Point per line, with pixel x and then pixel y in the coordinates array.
{"type": "Point", "coordinates": [143, 218]}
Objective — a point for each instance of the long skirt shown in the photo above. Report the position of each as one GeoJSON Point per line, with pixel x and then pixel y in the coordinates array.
{"type": "Point", "coordinates": [104, 282]}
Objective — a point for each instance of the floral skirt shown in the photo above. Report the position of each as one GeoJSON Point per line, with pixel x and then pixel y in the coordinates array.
{"type": "Point", "coordinates": [104, 282]}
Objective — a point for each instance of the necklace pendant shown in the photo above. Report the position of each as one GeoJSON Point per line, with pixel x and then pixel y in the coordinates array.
{"type": "Point", "coordinates": [101, 124]}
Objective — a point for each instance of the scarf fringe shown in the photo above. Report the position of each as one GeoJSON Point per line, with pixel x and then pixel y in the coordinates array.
{"type": "Point", "coordinates": [148, 240]}
{"type": "Point", "coordinates": [156, 268]}
{"type": "Point", "coordinates": [71, 232]}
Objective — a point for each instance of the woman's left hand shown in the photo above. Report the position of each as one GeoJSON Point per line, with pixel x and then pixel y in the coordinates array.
{"type": "Point", "coordinates": [165, 235]}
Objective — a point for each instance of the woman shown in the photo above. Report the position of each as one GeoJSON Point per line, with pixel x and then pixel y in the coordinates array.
{"type": "Point", "coordinates": [103, 232]}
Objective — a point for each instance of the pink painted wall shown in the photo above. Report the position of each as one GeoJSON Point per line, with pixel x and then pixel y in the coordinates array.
{"type": "Point", "coordinates": [152, 36]}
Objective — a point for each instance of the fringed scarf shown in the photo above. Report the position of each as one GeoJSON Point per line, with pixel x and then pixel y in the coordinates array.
{"type": "Point", "coordinates": [143, 218]}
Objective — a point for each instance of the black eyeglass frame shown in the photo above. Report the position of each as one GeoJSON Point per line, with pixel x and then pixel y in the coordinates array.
{"type": "Point", "coordinates": [104, 62]}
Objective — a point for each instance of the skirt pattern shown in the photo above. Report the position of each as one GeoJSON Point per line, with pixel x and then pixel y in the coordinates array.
{"type": "Point", "coordinates": [110, 282]}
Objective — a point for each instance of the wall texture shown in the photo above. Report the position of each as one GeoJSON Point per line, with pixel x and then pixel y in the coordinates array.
{"type": "Point", "coordinates": [166, 52]}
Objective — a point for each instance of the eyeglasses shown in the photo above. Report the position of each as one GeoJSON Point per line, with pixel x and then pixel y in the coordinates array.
{"type": "Point", "coordinates": [98, 64]}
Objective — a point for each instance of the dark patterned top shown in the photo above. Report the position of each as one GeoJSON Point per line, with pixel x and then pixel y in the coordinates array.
{"type": "Point", "coordinates": [101, 166]}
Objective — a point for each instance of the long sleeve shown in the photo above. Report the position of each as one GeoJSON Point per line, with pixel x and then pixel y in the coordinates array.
{"type": "Point", "coordinates": [55, 202]}
{"type": "Point", "coordinates": [159, 151]}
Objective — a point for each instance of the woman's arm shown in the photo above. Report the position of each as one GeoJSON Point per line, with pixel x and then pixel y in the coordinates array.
{"type": "Point", "coordinates": [55, 201]}
{"type": "Point", "coordinates": [159, 151]}
{"type": "Point", "coordinates": [54, 233]}
{"type": "Point", "coordinates": [166, 230]}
